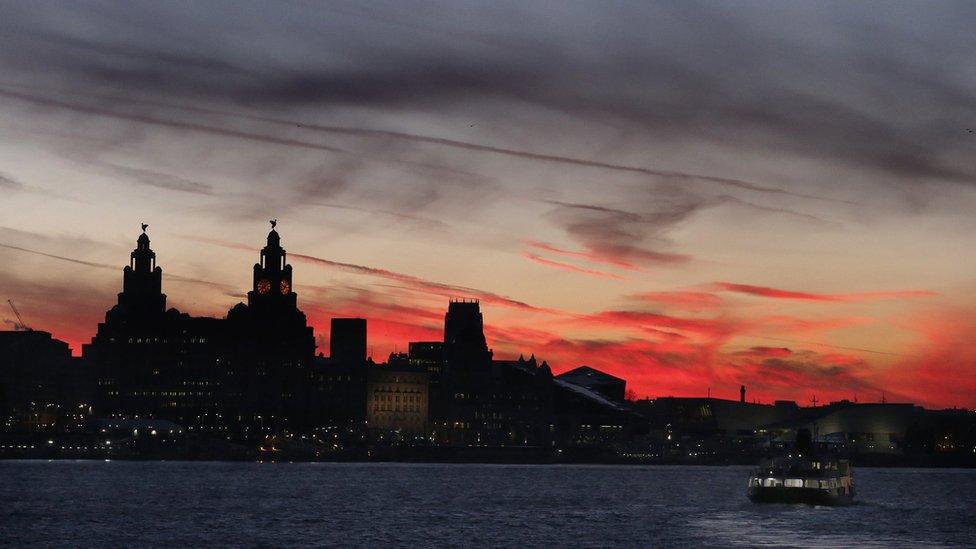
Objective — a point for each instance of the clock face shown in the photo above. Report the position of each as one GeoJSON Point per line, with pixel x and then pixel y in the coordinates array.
{"type": "Point", "coordinates": [264, 286]}
{"type": "Point", "coordinates": [284, 286]}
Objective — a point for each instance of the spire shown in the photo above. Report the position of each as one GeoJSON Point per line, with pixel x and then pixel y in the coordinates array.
{"type": "Point", "coordinates": [273, 255]}
{"type": "Point", "coordinates": [143, 259]}
{"type": "Point", "coordinates": [142, 280]}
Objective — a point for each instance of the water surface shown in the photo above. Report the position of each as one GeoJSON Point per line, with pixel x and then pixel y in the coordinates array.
{"type": "Point", "coordinates": [92, 503]}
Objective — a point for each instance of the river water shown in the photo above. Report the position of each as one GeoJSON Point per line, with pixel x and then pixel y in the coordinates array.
{"type": "Point", "coordinates": [99, 504]}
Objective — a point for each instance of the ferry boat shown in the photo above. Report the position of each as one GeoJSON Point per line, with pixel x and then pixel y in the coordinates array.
{"type": "Point", "coordinates": [803, 477]}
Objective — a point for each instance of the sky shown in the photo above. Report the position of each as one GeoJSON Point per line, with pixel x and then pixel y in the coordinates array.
{"type": "Point", "coordinates": [691, 196]}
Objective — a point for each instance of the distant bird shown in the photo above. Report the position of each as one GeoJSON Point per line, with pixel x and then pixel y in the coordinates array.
{"type": "Point", "coordinates": [970, 130]}
{"type": "Point", "coordinates": [273, 223]}
{"type": "Point", "coordinates": [471, 125]}
{"type": "Point", "coordinates": [144, 227]}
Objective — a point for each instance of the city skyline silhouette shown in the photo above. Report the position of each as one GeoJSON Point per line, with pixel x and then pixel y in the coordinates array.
{"type": "Point", "coordinates": [684, 216]}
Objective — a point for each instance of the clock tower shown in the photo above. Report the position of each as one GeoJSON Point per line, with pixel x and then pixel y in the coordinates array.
{"type": "Point", "coordinates": [271, 346]}
{"type": "Point", "coordinates": [271, 288]}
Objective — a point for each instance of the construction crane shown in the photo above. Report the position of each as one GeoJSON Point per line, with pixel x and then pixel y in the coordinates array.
{"type": "Point", "coordinates": [19, 325]}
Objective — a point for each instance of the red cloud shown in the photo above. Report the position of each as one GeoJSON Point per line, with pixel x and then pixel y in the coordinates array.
{"type": "Point", "coordinates": [940, 368]}
{"type": "Point", "coordinates": [712, 327]}
{"type": "Point", "coordinates": [568, 267]}
{"type": "Point", "coordinates": [689, 300]}
{"type": "Point", "coordinates": [764, 291]}
{"type": "Point", "coordinates": [589, 256]}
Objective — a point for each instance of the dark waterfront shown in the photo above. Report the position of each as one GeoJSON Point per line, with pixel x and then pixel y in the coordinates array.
{"type": "Point", "coordinates": [94, 503]}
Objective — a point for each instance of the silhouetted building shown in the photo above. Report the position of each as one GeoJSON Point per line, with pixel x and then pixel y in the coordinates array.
{"type": "Point", "coordinates": [337, 394]}
{"type": "Point", "coordinates": [464, 335]}
{"type": "Point", "coordinates": [587, 418]}
{"type": "Point", "coordinates": [428, 355]}
{"type": "Point", "coordinates": [246, 373]}
{"type": "Point", "coordinates": [151, 362]}
{"type": "Point", "coordinates": [863, 428]}
{"type": "Point", "coordinates": [520, 408]}
{"type": "Point", "coordinates": [270, 348]}
{"type": "Point", "coordinates": [463, 403]}
{"type": "Point", "coordinates": [611, 387]}
{"type": "Point", "coordinates": [41, 385]}
{"type": "Point", "coordinates": [347, 340]}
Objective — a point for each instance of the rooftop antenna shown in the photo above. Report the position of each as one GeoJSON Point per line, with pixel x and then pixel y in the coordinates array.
{"type": "Point", "coordinates": [814, 401]}
{"type": "Point", "coordinates": [19, 326]}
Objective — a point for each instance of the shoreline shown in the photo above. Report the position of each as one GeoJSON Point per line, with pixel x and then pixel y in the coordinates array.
{"type": "Point", "coordinates": [620, 463]}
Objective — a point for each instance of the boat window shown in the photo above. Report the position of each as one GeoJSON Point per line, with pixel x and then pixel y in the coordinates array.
{"type": "Point", "coordinates": [811, 483]}
{"type": "Point", "coordinates": [770, 482]}
{"type": "Point", "coordinates": [794, 483]}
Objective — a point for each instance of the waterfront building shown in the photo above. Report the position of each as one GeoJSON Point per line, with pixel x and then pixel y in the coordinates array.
{"type": "Point", "coordinates": [41, 384]}
{"type": "Point", "coordinates": [237, 375]}
{"type": "Point", "coordinates": [269, 349]}
{"type": "Point", "coordinates": [611, 387]}
{"type": "Point", "coordinates": [397, 401]}
{"type": "Point", "coordinates": [347, 340]}
{"type": "Point", "coordinates": [150, 362]}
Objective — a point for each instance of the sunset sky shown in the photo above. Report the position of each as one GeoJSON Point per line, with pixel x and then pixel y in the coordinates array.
{"type": "Point", "coordinates": [691, 196]}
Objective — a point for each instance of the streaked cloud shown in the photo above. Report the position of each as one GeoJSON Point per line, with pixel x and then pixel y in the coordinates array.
{"type": "Point", "coordinates": [776, 293]}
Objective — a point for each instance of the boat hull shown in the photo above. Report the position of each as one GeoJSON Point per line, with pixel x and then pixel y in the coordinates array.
{"type": "Point", "coordinates": [809, 496]}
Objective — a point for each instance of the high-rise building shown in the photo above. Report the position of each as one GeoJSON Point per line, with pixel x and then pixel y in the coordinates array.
{"type": "Point", "coordinates": [464, 335]}
{"type": "Point", "coordinates": [150, 362]}
{"type": "Point", "coordinates": [270, 348]}
{"type": "Point", "coordinates": [347, 340]}
{"type": "Point", "coordinates": [39, 381]}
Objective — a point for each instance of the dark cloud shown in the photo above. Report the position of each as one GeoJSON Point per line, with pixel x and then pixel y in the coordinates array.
{"type": "Point", "coordinates": [620, 237]}
{"type": "Point", "coordinates": [173, 124]}
{"type": "Point", "coordinates": [161, 180]}
{"type": "Point", "coordinates": [764, 79]}
{"type": "Point", "coordinates": [427, 222]}
{"type": "Point", "coordinates": [9, 183]}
